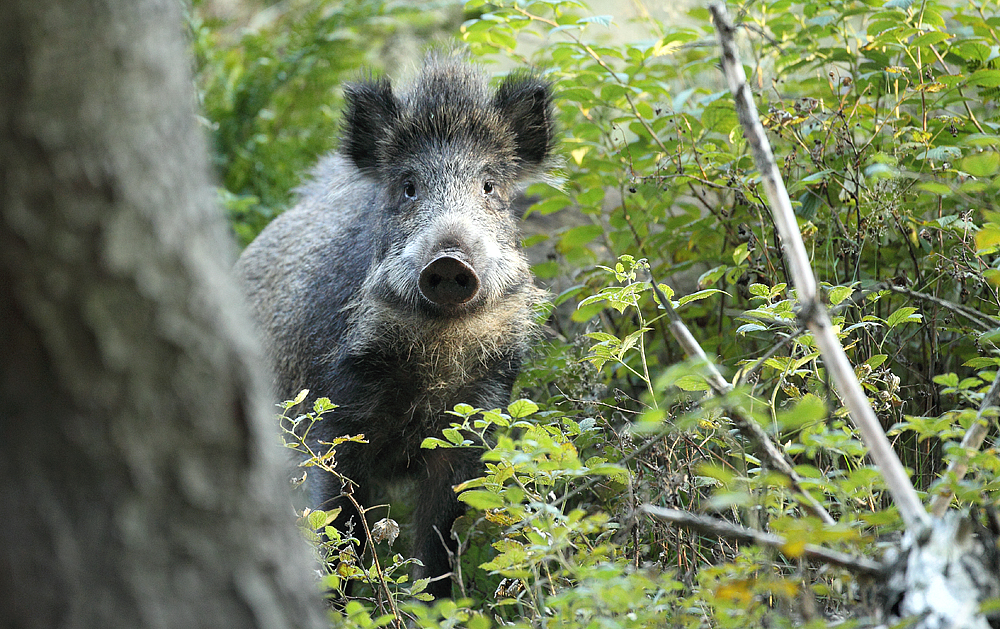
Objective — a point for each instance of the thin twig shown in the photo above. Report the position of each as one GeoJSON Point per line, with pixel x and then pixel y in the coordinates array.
{"type": "Point", "coordinates": [714, 526]}
{"type": "Point", "coordinates": [981, 320]}
{"type": "Point", "coordinates": [812, 311]}
{"type": "Point", "coordinates": [380, 575]}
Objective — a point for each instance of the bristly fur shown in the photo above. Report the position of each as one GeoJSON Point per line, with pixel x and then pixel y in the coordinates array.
{"type": "Point", "coordinates": [450, 103]}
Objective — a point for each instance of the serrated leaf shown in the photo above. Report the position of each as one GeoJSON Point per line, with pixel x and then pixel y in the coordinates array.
{"type": "Point", "coordinates": [931, 38]}
{"type": "Point", "coordinates": [521, 408]}
{"type": "Point", "coordinates": [453, 436]}
{"type": "Point", "coordinates": [985, 78]}
{"type": "Point", "coordinates": [946, 379]}
{"type": "Point", "coordinates": [602, 337]}
{"type": "Point", "coordinates": [629, 341]}
{"type": "Point", "coordinates": [323, 405]}
{"type": "Point", "coordinates": [981, 362]}
{"type": "Point", "coordinates": [320, 519]}
{"type": "Point", "coordinates": [838, 294]}
{"type": "Point", "coordinates": [903, 315]}
{"type": "Point", "coordinates": [432, 443]}
{"type": "Point", "coordinates": [667, 292]}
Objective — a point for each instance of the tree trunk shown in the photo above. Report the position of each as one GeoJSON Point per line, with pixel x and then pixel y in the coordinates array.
{"type": "Point", "coordinates": [139, 471]}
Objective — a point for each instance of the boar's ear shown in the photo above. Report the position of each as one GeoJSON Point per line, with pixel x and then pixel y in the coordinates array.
{"type": "Point", "coordinates": [370, 113]}
{"type": "Point", "coordinates": [525, 102]}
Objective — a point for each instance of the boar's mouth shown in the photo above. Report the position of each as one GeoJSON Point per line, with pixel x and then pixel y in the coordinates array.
{"type": "Point", "coordinates": [449, 281]}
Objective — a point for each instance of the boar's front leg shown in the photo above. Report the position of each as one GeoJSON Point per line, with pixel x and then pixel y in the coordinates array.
{"type": "Point", "coordinates": [437, 509]}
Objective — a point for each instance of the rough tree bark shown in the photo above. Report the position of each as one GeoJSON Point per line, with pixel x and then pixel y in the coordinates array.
{"type": "Point", "coordinates": [139, 476]}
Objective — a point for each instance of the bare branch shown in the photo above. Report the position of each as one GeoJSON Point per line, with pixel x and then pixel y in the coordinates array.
{"type": "Point", "coordinates": [714, 526]}
{"type": "Point", "coordinates": [812, 311]}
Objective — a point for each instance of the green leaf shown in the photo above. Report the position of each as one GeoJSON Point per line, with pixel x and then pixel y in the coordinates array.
{"type": "Point", "coordinates": [985, 78]}
{"type": "Point", "coordinates": [988, 236]}
{"type": "Point", "coordinates": [603, 20]}
{"type": "Point", "coordinates": [720, 116]}
{"type": "Point", "coordinates": [934, 187]}
{"type": "Point", "coordinates": [519, 409]}
{"type": "Point", "coordinates": [691, 383]}
{"type": "Point", "coordinates": [875, 361]}
{"type": "Point", "coordinates": [749, 327]}
{"type": "Point", "coordinates": [481, 499]}
{"type": "Point", "coordinates": [981, 361]}
{"type": "Point", "coordinates": [941, 153]}
{"type": "Point", "coordinates": [903, 315]}
{"type": "Point", "coordinates": [946, 379]}
{"type": "Point", "coordinates": [712, 275]}
{"type": "Point", "coordinates": [453, 436]}
{"type": "Point", "coordinates": [551, 205]}
{"type": "Point", "coordinates": [579, 236]}
{"type": "Point", "coordinates": [931, 38]}
{"type": "Point", "coordinates": [838, 294]}
{"type": "Point", "coordinates": [981, 165]}
{"type": "Point", "coordinates": [740, 254]}
{"type": "Point", "coordinates": [319, 519]}
{"type": "Point", "coordinates": [702, 294]}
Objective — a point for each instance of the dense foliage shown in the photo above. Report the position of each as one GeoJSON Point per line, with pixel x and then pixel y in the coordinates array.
{"type": "Point", "coordinates": [883, 117]}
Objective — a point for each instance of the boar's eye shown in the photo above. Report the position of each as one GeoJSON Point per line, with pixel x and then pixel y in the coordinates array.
{"type": "Point", "coordinates": [410, 190]}
{"type": "Point", "coordinates": [488, 187]}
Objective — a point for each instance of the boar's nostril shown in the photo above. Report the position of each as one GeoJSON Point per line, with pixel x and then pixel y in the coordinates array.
{"type": "Point", "coordinates": [448, 281]}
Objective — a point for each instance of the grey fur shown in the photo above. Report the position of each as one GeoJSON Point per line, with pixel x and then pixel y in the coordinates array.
{"type": "Point", "coordinates": [333, 283]}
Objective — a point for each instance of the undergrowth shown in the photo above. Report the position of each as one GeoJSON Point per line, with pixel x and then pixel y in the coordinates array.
{"type": "Point", "coordinates": [883, 118]}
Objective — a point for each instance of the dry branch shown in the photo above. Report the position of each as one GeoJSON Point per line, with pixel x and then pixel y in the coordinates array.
{"type": "Point", "coordinates": [811, 310]}
{"type": "Point", "coordinates": [713, 526]}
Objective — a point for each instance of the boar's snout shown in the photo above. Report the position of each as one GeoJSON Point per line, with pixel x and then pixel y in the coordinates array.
{"type": "Point", "coordinates": [448, 280]}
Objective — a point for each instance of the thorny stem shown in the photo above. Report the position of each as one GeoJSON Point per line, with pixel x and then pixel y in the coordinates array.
{"type": "Point", "coordinates": [812, 310]}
